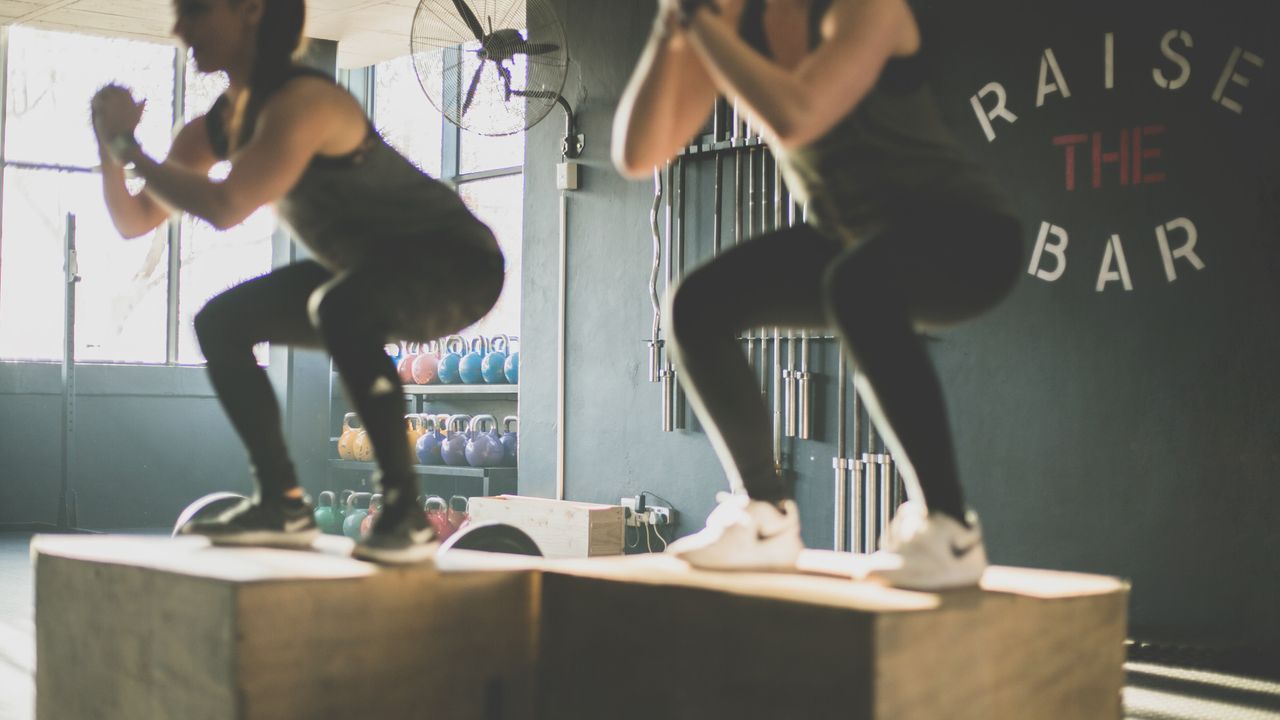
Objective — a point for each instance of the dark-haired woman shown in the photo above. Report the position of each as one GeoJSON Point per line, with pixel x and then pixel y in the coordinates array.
{"type": "Point", "coordinates": [397, 254]}
{"type": "Point", "coordinates": [903, 233]}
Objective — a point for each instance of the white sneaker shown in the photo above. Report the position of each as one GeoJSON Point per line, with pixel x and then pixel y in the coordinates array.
{"type": "Point", "coordinates": [744, 534]}
{"type": "Point", "coordinates": [930, 551]}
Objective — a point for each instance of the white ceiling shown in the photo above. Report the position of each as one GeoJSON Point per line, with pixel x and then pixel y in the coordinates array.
{"type": "Point", "coordinates": [366, 30]}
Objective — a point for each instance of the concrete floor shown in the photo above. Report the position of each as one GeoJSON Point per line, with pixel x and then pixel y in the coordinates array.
{"type": "Point", "coordinates": [1154, 691]}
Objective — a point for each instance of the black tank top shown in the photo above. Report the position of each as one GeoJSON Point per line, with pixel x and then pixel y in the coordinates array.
{"type": "Point", "coordinates": [344, 207]}
{"type": "Point", "coordinates": [875, 166]}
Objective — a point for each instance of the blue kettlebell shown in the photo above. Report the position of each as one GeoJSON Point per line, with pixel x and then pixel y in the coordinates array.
{"type": "Point", "coordinates": [484, 449]}
{"type": "Point", "coordinates": [510, 440]}
{"type": "Point", "coordinates": [447, 370]}
{"type": "Point", "coordinates": [469, 368]}
{"type": "Point", "coordinates": [511, 368]}
{"type": "Point", "coordinates": [454, 448]}
{"type": "Point", "coordinates": [493, 367]}
{"type": "Point", "coordinates": [358, 508]}
{"type": "Point", "coordinates": [393, 351]}
{"type": "Point", "coordinates": [428, 446]}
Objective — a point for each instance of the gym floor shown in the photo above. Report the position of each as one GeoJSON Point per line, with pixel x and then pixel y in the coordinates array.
{"type": "Point", "coordinates": [1154, 690]}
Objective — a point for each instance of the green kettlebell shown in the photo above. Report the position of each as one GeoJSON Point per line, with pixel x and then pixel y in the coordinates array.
{"type": "Point", "coordinates": [326, 515]}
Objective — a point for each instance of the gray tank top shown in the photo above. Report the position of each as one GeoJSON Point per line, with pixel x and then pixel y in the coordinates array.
{"type": "Point", "coordinates": [884, 160]}
{"type": "Point", "coordinates": [345, 208]}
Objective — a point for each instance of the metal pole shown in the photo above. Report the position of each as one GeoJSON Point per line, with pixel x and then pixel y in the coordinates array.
{"type": "Point", "coordinates": [677, 260]}
{"type": "Point", "coordinates": [859, 531]}
{"type": "Point", "coordinates": [70, 276]}
{"type": "Point", "coordinates": [841, 464]}
{"type": "Point", "coordinates": [668, 370]}
{"type": "Point", "coordinates": [655, 337]}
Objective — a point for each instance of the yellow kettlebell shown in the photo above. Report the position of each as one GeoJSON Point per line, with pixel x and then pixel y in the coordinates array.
{"type": "Point", "coordinates": [346, 441]}
{"type": "Point", "coordinates": [361, 448]}
{"type": "Point", "coordinates": [413, 430]}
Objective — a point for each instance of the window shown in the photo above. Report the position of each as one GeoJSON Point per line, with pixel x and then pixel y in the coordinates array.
{"type": "Point", "coordinates": [126, 297]}
{"type": "Point", "coordinates": [49, 159]}
{"type": "Point", "coordinates": [214, 261]}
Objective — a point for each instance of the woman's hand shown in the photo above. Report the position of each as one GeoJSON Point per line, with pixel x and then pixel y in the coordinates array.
{"type": "Point", "coordinates": [115, 113]}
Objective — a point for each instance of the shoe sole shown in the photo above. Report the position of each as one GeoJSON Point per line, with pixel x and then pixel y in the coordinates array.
{"type": "Point", "coordinates": [264, 538]}
{"type": "Point", "coordinates": [412, 555]}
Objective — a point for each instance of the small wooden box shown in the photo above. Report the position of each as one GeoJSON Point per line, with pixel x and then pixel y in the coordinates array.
{"type": "Point", "coordinates": [561, 528]}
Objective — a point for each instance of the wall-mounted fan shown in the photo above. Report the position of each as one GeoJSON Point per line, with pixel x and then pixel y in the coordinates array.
{"type": "Point", "coordinates": [492, 67]}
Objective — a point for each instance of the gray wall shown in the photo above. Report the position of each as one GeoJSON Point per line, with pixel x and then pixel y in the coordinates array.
{"type": "Point", "coordinates": [1125, 433]}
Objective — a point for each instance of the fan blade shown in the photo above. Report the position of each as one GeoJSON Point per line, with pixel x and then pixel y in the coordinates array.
{"type": "Point", "coordinates": [471, 91]}
{"type": "Point", "coordinates": [505, 74]}
{"type": "Point", "coordinates": [469, 18]}
{"type": "Point", "coordinates": [534, 48]}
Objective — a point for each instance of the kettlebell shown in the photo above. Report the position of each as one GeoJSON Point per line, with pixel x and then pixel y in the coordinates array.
{"type": "Point", "coordinates": [346, 441]}
{"type": "Point", "coordinates": [426, 367]}
{"type": "Point", "coordinates": [469, 368]}
{"type": "Point", "coordinates": [447, 370]}
{"type": "Point", "coordinates": [357, 510]}
{"type": "Point", "coordinates": [492, 368]}
{"type": "Point", "coordinates": [340, 509]}
{"type": "Point", "coordinates": [326, 515]}
{"type": "Point", "coordinates": [511, 368]}
{"type": "Point", "coordinates": [459, 513]}
{"type": "Point", "coordinates": [412, 430]}
{"type": "Point", "coordinates": [375, 506]}
{"type": "Point", "coordinates": [393, 351]}
{"type": "Point", "coordinates": [428, 446]}
{"type": "Point", "coordinates": [484, 449]}
{"type": "Point", "coordinates": [361, 448]}
{"type": "Point", "coordinates": [454, 448]}
{"type": "Point", "coordinates": [404, 368]}
{"type": "Point", "coordinates": [437, 511]}
{"type": "Point", "coordinates": [510, 440]}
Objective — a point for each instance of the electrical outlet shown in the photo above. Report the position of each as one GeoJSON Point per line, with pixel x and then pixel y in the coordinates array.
{"type": "Point", "coordinates": [655, 515]}
{"type": "Point", "coordinates": [660, 515]}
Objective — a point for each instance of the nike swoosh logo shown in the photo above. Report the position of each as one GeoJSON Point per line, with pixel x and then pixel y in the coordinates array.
{"type": "Point", "coordinates": [960, 551]}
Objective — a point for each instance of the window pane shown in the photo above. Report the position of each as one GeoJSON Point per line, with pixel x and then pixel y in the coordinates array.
{"type": "Point", "coordinates": [478, 152]}
{"type": "Point", "coordinates": [499, 202]}
{"type": "Point", "coordinates": [491, 109]}
{"type": "Point", "coordinates": [201, 90]}
{"type": "Point", "coordinates": [121, 298]}
{"type": "Point", "coordinates": [404, 116]}
{"type": "Point", "coordinates": [52, 76]}
{"type": "Point", "coordinates": [213, 261]}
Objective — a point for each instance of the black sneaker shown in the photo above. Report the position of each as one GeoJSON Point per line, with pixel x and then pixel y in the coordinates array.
{"type": "Point", "coordinates": [400, 535]}
{"type": "Point", "coordinates": [255, 522]}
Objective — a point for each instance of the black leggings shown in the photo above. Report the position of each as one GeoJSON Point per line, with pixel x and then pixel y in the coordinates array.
{"type": "Point", "coordinates": [928, 273]}
{"type": "Point", "coordinates": [398, 293]}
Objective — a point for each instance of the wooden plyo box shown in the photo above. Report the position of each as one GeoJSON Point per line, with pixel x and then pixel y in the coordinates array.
{"type": "Point", "coordinates": [1027, 645]}
{"type": "Point", "coordinates": [152, 628]}
{"type": "Point", "coordinates": [562, 529]}
{"type": "Point", "coordinates": [159, 629]}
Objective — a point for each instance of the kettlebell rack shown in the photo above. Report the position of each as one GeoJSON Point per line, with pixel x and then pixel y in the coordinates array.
{"type": "Point", "coordinates": [469, 481]}
{"type": "Point", "coordinates": [868, 488]}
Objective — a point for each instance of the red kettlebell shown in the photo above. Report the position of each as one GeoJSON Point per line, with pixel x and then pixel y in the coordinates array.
{"type": "Point", "coordinates": [426, 365]}
{"type": "Point", "coordinates": [375, 507]}
{"type": "Point", "coordinates": [458, 513]}
{"type": "Point", "coordinates": [438, 515]}
{"type": "Point", "coordinates": [404, 368]}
